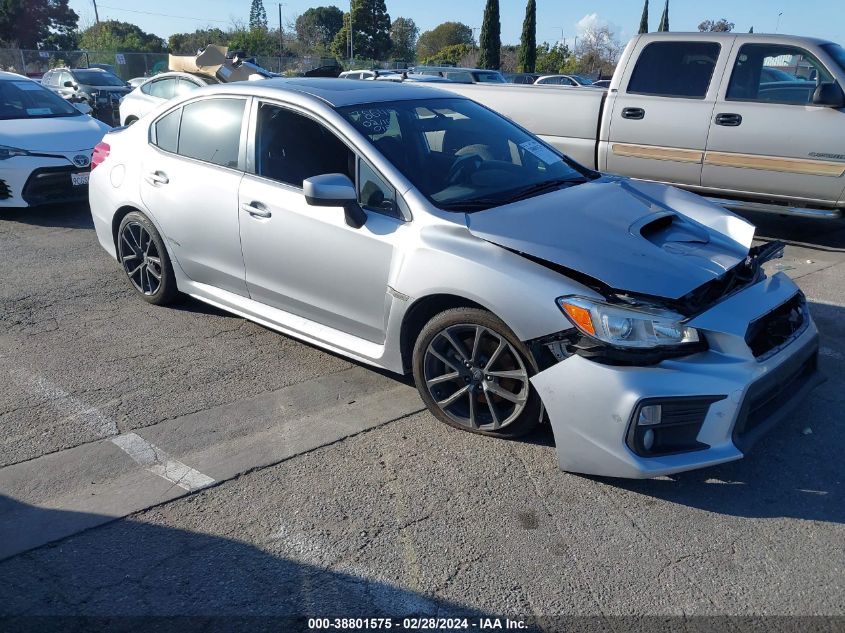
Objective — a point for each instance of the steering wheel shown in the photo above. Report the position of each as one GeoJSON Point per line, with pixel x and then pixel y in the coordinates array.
{"type": "Point", "coordinates": [463, 168]}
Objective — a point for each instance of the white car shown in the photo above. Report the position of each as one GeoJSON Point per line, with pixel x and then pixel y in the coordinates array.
{"type": "Point", "coordinates": [45, 145]}
{"type": "Point", "coordinates": [563, 80]}
{"type": "Point", "coordinates": [156, 90]}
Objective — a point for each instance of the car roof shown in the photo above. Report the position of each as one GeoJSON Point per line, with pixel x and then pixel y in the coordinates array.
{"type": "Point", "coordinates": [773, 38]}
{"type": "Point", "coordinates": [335, 92]}
{"type": "Point", "coordinates": [15, 76]}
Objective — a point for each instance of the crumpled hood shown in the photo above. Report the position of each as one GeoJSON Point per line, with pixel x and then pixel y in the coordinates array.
{"type": "Point", "coordinates": [632, 236]}
{"type": "Point", "coordinates": [59, 135]}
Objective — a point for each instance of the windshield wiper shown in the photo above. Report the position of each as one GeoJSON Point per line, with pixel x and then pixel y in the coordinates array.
{"type": "Point", "coordinates": [543, 187]}
{"type": "Point", "coordinates": [473, 204]}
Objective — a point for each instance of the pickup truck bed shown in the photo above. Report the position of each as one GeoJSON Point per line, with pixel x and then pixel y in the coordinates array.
{"type": "Point", "coordinates": [698, 110]}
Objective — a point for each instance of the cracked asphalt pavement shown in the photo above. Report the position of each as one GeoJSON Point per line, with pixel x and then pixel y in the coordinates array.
{"type": "Point", "coordinates": [404, 516]}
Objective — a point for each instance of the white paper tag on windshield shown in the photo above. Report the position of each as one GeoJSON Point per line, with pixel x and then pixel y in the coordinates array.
{"type": "Point", "coordinates": [27, 85]}
{"type": "Point", "coordinates": [38, 111]}
{"type": "Point", "coordinates": [541, 151]}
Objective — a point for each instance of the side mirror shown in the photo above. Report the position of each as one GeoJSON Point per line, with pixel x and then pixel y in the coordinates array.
{"type": "Point", "coordinates": [69, 84]}
{"type": "Point", "coordinates": [829, 94]}
{"type": "Point", "coordinates": [335, 190]}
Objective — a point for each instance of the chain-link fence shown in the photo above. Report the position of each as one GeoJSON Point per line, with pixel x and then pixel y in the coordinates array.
{"type": "Point", "coordinates": [129, 65]}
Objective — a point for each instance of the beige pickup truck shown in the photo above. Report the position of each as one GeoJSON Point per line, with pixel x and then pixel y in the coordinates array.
{"type": "Point", "coordinates": [754, 122]}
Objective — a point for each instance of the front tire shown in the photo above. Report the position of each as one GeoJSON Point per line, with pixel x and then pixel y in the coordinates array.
{"type": "Point", "coordinates": [473, 373]}
{"type": "Point", "coordinates": [141, 251]}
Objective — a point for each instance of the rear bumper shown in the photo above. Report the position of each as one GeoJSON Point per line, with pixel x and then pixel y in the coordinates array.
{"type": "Point", "coordinates": [592, 406]}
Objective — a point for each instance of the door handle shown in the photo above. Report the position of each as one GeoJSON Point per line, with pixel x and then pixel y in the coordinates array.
{"type": "Point", "coordinates": [157, 178]}
{"type": "Point", "coordinates": [633, 113]}
{"type": "Point", "coordinates": [256, 210]}
{"type": "Point", "coordinates": [728, 119]}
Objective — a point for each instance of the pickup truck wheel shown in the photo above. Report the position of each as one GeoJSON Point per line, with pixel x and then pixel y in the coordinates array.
{"type": "Point", "coordinates": [141, 251]}
{"type": "Point", "coordinates": [473, 373]}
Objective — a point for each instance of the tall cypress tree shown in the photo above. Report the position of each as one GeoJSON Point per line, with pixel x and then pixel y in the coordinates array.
{"type": "Point", "coordinates": [664, 19]}
{"type": "Point", "coordinates": [528, 43]}
{"type": "Point", "coordinates": [751, 30]}
{"type": "Point", "coordinates": [257, 15]}
{"type": "Point", "coordinates": [644, 19]}
{"type": "Point", "coordinates": [491, 37]}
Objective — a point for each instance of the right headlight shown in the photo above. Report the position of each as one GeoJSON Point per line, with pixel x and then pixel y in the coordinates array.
{"type": "Point", "coordinates": [639, 327]}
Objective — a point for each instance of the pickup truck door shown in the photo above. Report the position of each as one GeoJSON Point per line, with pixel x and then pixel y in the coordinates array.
{"type": "Point", "coordinates": [767, 138]}
{"type": "Point", "coordinates": [660, 115]}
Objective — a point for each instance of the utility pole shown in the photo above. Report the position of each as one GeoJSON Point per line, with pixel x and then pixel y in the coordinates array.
{"type": "Point", "coordinates": [351, 35]}
{"type": "Point", "coordinates": [281, 36]}
{"type": "Point", "coordinates": [777, 28]}
{"type": "Point", "coordinates": [96, 15]}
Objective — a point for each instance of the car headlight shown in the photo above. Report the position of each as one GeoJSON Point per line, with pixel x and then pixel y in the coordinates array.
{"type": "Point", "coordinates": [7, 152]}
{"type": "Point", "coordinates": [641, 327]}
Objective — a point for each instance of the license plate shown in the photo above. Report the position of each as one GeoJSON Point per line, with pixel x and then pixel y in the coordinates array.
{"type": "Point", "coordinates": [79, 179]}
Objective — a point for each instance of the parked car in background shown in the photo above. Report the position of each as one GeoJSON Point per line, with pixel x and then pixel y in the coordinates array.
{"type": "Point", "coordinates": [45, 145]}
{"type": "Point", "coordinates": [521, 78]}
{"type": "Point", "coordinates": [563, 80]}
{"type": "Point", "coordinates": [157, 90]}
{"type": "Point", "coordinates": [100, 89]}
{"type": "Point", "coordinates": [137, 81]}
{"type": "Point", "coordinates": [423, 233]}
{"type": "Point", "coordinates": [601, 83]}
{"type": "Point", "coordinates": [368, 74]}
{"type": "Point", "coordinates": [699, 110]}
{"type": "Point", "coordinates": [462, 75]}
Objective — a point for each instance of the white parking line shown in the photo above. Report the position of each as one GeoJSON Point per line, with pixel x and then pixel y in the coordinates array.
{"type": "Point", "coordinates": [67, 404]}
{"type": "Point", "coordinates": [159, 463]}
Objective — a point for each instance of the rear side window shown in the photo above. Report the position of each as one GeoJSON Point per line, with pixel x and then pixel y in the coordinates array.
{"type": "Point", "coordinates": [167, 131]}
{"type": "Point", "coordinates": [211, 131]}
{"type": "Point", "coordinates": [675, 69]}
{"type": "Point", "coordinates": [163, 88]}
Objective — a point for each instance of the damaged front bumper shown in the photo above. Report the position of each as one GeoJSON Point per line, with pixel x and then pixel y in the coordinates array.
{"type": "Point", "coordinates": [715, 404]}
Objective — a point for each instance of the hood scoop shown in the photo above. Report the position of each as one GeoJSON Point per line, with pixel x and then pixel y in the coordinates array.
{"type": "Point", "coordinates": [671, 232]}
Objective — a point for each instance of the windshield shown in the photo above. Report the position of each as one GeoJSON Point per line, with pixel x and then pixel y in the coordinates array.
{"type": "Point", "coordinates": [25, 99]}
{"type": "Point", "coordinates": [97, 78]}
{"type": "Point", "coordinates": [838, 54]}
{"type": "Point", "coordinates": [489, 78]}
{"type": "Point", "coordinates": [462, 156]}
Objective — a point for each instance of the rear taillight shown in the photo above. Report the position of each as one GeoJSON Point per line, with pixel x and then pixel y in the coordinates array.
{"type": "Point", "coordinates": [101, 153]}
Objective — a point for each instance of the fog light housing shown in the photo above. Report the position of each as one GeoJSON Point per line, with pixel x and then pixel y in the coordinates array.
{"type": "Point", "coordinates": [667, 426]}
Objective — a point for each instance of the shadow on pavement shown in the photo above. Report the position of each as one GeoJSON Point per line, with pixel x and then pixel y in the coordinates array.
{"type": "Point", "coordinates": [824, 235]}
{"type": "Point", "coordinates": [118, 576]}
{"type": "Point", "coordinates": [71, 216]}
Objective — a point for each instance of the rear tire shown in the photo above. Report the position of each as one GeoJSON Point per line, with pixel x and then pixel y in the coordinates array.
{"type": "Point", "coordinates": [473, 373]}
{"type": "Point", "coordinates": [145, 261]}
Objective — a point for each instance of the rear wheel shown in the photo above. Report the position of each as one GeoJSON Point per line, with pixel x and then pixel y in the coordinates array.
{"type": "Point", "coordinates": [141, 251]}
{"type": "Point", "coordinates": [473, 373]}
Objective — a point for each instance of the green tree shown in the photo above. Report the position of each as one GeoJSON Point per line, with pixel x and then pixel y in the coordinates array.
{"type": "Point", "coordinates": [318, 26]}
{"type": "Point", "coordinates": [257, 15]}
{"type": "Point", "coordinates": [664, 19]}
{"type": "Point", "coordinates": [190, 43]}
{"type": "Point", "coordinates": [370, 24]}
{"type": "Point", "coordinates": [449, 55]}
{"type": "Point", "coordinates": [490, 41]}
{"type": "Point", "coordinates": [527, 58]}
{"type": "Point", "coordinates": [443, 35]}
{"type": "Point", "coordinates": [37, 23]}
{"type": "Point", "coordinates": [553, 59]}
{"type": "Point", "coordinates": [113, 35]}
{"type": "Point", "coordinates": [644, 19]}
{"type": "Point", "coordinates": [254, 41]}
{"type": "Point", "coordinates": [403, 39]}
{"type": "Point", "coordinates": [751, 30]}
{"type": "Point", "coordinates": [716, 26]}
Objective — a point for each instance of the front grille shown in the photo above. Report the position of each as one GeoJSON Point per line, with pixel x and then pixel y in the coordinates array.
{"type": "Point", "coordinates": [5, 191]}
{"type": "Point", "coordinates": [771, 332]}
{"type": "Point", "coordinates": [768, 397]}
{"type": "Point", "coordinates": [53, 184]}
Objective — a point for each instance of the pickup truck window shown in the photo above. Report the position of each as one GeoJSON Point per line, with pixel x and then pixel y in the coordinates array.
{"type": "Point", "coordinates": [838, 54]}
{"type": "Point", "coordinates": [772, 73]}
{"type": "Point", "coordinates": [675, 69]}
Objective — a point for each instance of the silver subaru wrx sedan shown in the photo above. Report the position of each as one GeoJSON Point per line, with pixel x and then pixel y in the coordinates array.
{"type": "Point", "coordinates": [420, 232]}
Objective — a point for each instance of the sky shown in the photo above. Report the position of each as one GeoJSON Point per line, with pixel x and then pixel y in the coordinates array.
{"type": "Point", "coordinates": [556, 19]}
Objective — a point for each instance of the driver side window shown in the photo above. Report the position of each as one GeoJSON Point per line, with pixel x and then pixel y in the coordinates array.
{"type": "Point", "coordinates": [775, 74]}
